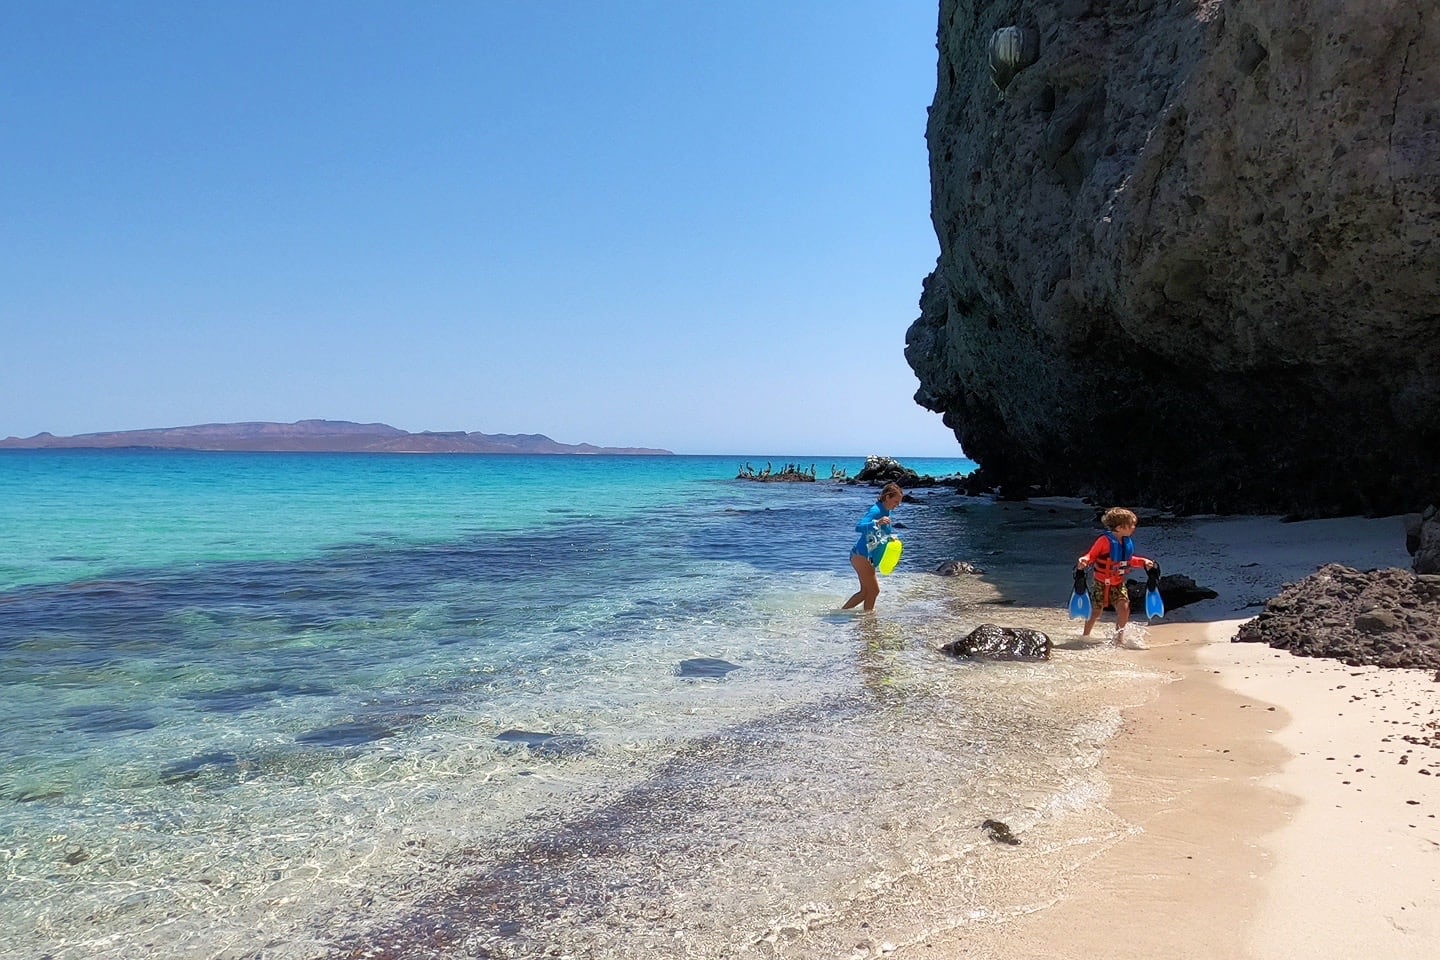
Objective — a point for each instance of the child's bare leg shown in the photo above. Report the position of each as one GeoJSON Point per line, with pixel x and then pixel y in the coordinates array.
{"type": "Point", "coordinates": [869, 584]}
{"type": "Point", "coordinates": [1122, 613]}
{"type": "Point", "coordinates": [1090, 624]}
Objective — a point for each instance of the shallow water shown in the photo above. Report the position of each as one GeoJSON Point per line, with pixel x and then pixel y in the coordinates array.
{"type": "Point", "coordinates": [301, 706]}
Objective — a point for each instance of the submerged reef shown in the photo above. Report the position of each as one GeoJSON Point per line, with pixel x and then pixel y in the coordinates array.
{"type": "Point", "coordinates": [1188, 251]}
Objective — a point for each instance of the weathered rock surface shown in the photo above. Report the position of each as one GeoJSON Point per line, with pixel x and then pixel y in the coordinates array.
{"type": "Point", "coordinates": [1176, 590]}
{"type": "Point", "coordinates": [879, 471]}
{"type": "Point", "coordinates": [994, 642]}
{"type": "Point", "coordinates": [957, 568]}
{"type": "Point", "coordinates": [1189, 256]}
{"type": "Point", "coordinates": [1389, 618]}
{"type": "Point", "coordinates": [1423, 540]}
{"type": "Point", "coordinates": [790, 473]}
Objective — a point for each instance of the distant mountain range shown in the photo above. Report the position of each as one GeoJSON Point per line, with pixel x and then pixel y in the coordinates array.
{"type": "Point", "coordinates": [317, 436]}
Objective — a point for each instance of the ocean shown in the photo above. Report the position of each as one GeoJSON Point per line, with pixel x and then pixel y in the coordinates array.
{"type": "Point", "coordinates": [329, 705]}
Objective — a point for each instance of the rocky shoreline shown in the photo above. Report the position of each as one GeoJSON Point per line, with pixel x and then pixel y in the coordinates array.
{"type": "Point", "coordinates": [1385, 617]}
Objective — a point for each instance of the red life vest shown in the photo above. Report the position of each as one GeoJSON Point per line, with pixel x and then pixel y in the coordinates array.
{"type": "Point", "coordinates": [1116, 561]}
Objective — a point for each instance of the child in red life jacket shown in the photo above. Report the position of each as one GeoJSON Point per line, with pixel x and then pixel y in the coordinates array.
{"type": "Point", "coordinates": [1112, 557]}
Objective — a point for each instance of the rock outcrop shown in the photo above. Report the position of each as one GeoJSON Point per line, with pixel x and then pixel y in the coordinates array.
{"type": "Point", "coordinates": [1422, 538]}
{"type": "Point", "coordinates": [879, 471]}
{"type": "Point", "coordinates": [1189, 253]}
{"type": "Point", "coordinates": [1176, 591]}
{"type": "Point", "coordinates": [1389, 618]}
{"type": "Point", "coordinates": [993, 642]}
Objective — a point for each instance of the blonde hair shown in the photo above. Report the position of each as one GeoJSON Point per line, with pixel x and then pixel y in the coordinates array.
{"type": "Point", "coordinates": [1117, 517]}
{"type": "Point", "coordinates": [890, 488]}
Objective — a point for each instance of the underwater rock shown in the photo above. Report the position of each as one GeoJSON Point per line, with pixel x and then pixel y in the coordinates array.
{"type": "Point", "coordinates": [346, 734]}
{"type": "Point", "coordinates": [546, 744]}
{"type": "Point", "coordinates": [706, 667]}
{"type": "Point", "coordinates": [994, 642]}
{"type": "Point", "coordinates": [192, 768]}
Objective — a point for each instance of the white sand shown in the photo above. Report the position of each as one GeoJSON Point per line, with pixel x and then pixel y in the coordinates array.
{"type": "Point", "coordinates": [1357, 862]}
{"type": "Point", "coordinates": [1276, 819]}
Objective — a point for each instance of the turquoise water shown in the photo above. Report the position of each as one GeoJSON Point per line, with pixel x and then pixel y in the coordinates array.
{"type": "Point", "coordinates": [313, 705]}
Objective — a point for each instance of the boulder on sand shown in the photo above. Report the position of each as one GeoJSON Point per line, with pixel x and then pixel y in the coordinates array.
{"type": "Point", "coordinates": [994, 642]}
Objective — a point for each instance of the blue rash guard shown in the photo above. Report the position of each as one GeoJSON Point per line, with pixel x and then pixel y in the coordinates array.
{"type": "Point", "coordinates": [866, 526]}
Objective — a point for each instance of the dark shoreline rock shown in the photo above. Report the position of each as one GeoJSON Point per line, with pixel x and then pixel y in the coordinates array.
{"type": "Point", "coordinates": [1422, 540]}
{"type": "Point", "coordinates": [790, 473]}
{"type": "Point", "coordinates": [879, 471]}
{"type": "Point", "coordinates": [956, 568]}
{"type": "Point", "coordinates": [992, 642]}
{"type": "Point", "coordinates": [1176, 590]}
{"type": "Point", "coordinates": [1386, 618]}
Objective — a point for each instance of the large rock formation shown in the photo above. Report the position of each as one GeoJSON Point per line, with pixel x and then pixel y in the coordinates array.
{"type": "Point", "coordinates": [1188, 254]}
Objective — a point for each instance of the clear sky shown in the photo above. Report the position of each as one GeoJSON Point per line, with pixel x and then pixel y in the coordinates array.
{"type": "Point", "coordinates": [694, 225]}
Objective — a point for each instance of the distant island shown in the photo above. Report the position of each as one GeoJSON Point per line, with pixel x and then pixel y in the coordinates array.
{"type": "Point", "coordinates": [317, 436]}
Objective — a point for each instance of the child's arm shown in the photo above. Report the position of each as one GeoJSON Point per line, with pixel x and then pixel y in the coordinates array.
{"type": "Point", "coordinates": [1097, 550]}
{"type": "Point", "coordinates": [867, 522]}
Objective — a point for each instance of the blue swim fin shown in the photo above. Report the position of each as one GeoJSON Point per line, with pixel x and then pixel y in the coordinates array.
{"type": "Point", "coordinates": [1080, 598]}
{"type": "Point", "coordinates": [1154, 605]}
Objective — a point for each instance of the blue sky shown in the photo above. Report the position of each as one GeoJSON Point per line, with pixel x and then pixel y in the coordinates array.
{"type": "Point", "coordinates": [693, 225]}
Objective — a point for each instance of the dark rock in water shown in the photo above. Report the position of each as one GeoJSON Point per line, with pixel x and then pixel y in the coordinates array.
{"type": "Point", "coordinates": [1000, 832]}
{"type": "Point", "coordinates": [883, 470]}
{"type": "Point", "coordinates": [346, 734]}
{"type": "Point", "coordinates": [1273, 297]}
{"type": "Point", "coordinates": [954, 568]}
{"type": "Point", "coordinates": [31, 796]}
{"type": "Point", "coordinates": [546, 744]}
{"type": "Point", "coordinates": [879, 471]}
{"type": "Point", "coordinates": [706, 667]}
{"type": "Point", "coordinates": [1001, 643]}
{"type": "Point", "coordinates": [103, 718]}
{"type": "Point", "coordinates": [1389, 618]}
{"type": "Point", "coordinates": [251, 696]}
{"type": "Point", "coordinates": [192, 768]}
{"type": "Point", "coordinates": [790, 473]}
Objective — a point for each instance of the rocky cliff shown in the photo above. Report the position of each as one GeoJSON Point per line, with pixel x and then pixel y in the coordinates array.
{"type": "Point", "coordinates": [1188, 252]}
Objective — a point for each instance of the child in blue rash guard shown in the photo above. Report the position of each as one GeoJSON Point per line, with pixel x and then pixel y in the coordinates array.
{"type": "Point", "coordinates": [862, 557]}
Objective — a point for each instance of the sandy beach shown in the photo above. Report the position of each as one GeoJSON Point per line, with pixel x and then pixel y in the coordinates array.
{"type": "Point", "coordinates": [1278, 806]}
